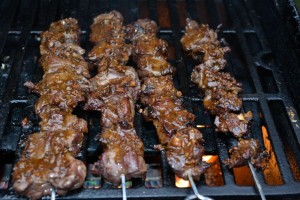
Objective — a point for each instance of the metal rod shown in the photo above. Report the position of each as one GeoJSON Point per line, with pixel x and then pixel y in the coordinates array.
{"type": "Point", "coordinates": [257, 183]}
{"type": "Point", "coordinates": [53, 194]}
{"type": "Point", "coordinates": [196, 193]}
{"type": "Point", "coordinates": [203, 126]}
{"type": "Point", "coordinates": [123, 187]}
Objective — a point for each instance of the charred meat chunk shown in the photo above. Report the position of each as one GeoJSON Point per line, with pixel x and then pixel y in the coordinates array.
{"type": "Point", "coordinates": [246, 150]}
{"type": "Point", "coordinates": [236, 124]}
{"type": "Point", "coordinates": [184, 153]}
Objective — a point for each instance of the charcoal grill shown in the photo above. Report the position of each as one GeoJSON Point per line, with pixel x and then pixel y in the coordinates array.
{"type": "Point", "coordinates": [264, 37]}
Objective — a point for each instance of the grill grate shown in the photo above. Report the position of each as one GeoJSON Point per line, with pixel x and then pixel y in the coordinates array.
{"type": "Point", "coordinates": [253, 62]}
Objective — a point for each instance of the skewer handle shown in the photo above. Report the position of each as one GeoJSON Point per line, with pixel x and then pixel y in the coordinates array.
{"type": "Point", "coordinates": [123, 187]}
{"type": "Point", "coordinates": [257, 183]}
{"type": "Point", "coordinates": [196, 193]}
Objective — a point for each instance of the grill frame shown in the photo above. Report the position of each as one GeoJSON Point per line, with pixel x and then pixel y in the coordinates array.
{"type": "Point", "coordinates": [19, 30]}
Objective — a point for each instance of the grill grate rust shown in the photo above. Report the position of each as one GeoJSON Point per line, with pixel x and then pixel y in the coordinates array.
{"type": "Point", "coordinates": [251, 61]}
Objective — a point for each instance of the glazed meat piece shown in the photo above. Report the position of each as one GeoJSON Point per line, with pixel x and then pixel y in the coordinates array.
{"type": "Point", "coordinates": [163, 107]}
{"type": "Point", "coordinates": [68, 27]}
{"type": "Point", "coordinates": [60, 33]}
{"type": "Point", "coordinates": [61, 89]}
{"type": "Point", "coordinates": [35, 178]}
{"type": "Point", "coordinates": [236, 124]}
{"type": "Point", "coordinates": [167, 118]}
{"type": "Point", "coordinates": [120, 79]}
{"type": "Point", "coordinates": [246, 150]}
{"type": "Point", "coordinates": [110, 53]}
{"type": "Point", "coordinates": [202, 44]}
{"type": "Point", "coordinates": [149, 46]}
{"type": "Point", "coordinates": [57, 120]}
{"type": "Point", "coordinates": [157, 87]}
{"type": "Point", "coordinates": [118, 109]}
{"type": "Point", "coordinates": [52, 63]}
{"type": "Point", "coordinates": [219, 101]}
{"type": "Point", "coordinates": [141, 28]}
{"type": "Point", "coordinates": [107, 26]}
{"type": "Point", "coordinates": [220, 88]}
{"type": "Point", "coordinates": [209, 79]}
{"type": "Point", "coordinates": [184, 153]}
{"type": "Point", "coordinates": [149, 66]}
{"type": "Point", "coordinates": [54, 142]}
{"type": "Point", "coordinates": [123, 154]}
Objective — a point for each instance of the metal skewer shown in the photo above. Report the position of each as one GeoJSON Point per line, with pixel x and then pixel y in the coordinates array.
{"type": "Point", "coordinates": [196, 193]}
{"type": "Point", "coordinates": [257, 183]}
{"type": "Point", "coordinates": [123, 187]}
{"type": "Point", "coordinates": [53, 194]}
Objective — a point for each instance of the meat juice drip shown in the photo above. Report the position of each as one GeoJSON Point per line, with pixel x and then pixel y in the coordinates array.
{"type": "Point", "coordinates": [221, 90]}
{"type": "Point", "coordinates": [163, 102]}
{"type": "Point", "coordinates": [48, 159]}
{"type": "Point", "coordinates": [114, 91]}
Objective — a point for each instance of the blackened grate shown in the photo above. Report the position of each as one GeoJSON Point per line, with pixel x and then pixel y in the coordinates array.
{"type": "Point", "coordinates": [253, 61]}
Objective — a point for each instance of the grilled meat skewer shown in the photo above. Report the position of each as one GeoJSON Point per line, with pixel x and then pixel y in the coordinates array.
{"type": "Point", "coordinates": [114, 91]}
{"type": "Point", "coordinates": [221, 90]}
{"type": "Point", "coordinates": [48, 159]}
{"type": "Point", "coordinates": [163, 102]}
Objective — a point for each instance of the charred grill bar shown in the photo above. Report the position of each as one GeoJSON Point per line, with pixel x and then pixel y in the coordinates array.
{"type": "Point", "coordinates": [255, 61]}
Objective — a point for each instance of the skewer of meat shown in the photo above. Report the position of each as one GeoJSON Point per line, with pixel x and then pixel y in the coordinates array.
{"type": "Point", "coordinates": [221, 90]}
{"type": "Point", "coordinates": [114, 91]}
{"type": "Point", "coordinates": [163, 102]}
{"type": "Point", "coordinates": [48, 160]}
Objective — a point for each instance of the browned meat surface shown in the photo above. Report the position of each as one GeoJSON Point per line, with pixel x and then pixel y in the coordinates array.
{"type": "Point", "coordinates": [62, 89]}
{"type": "Point", "coordinates": [220, 88]}
{"type": "Point", "coordinates": [163, 105]}
{"type": "Point", "coordinates": [52, 63]}
{"type": "Point", "coordinates": [202, 44]}
{"type": "Point", "coordinates": [47, 162]}
{"type": "Point", "coordinates": [63, 32]}
{"type": "Point", "coordinates": [159, 87]}
{"type": "Point", "coordinates": [114, 90]}
{"type": "Point", "coordinates": [169, 116]}
{"type": "Point", "coordinates": [123, 154]}
{"type": "Point", "coordinates": [246, 150]}
{"type": "Point", "coordinates": [107, 26]}
{"type": "Point", "coordinates": [221, 91]}
{"type": "Point", "coordinates": [210, 79]}
{"type": "Point", "coordinates": [114, 80]}
{"type": "Point", "coordinates": [184, 153]}
{"type": "Point", "coordinates": [110, 53]}
{"type": "Point", "coordinates": [236, 124]}
{"type": "Point", "coordinates": [149, 46]}
{"type": "Point", "coordinates": [219, 101]}
{"type": "Point", "coordinates": [141, 28]}
{"type": "Point", "coordinates": [149, 66]}
{"type": "Point", "coordinates": [37, 177]}
{"type": "Point", "coordinates": [59, 120]}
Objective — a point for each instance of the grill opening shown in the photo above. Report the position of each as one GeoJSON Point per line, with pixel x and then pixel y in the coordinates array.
{"type": "Point", "coordinates": [267, 80]}
{"type": "Point", "coordinates": [271, 172]}
{"type": "Point", "coordinates": [291, 148]}
{"type": "Point", "coordinates": [253, 61]}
